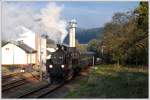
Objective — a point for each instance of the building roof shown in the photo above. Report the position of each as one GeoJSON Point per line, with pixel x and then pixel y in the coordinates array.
{"type": "Point", "coordinates": [23, 46]}
{"type": "Point", "coordinates": [49, 41]}
{"type": "Point", "coordinates": [48, 52]}
{"type": "Point", "coordinates": [4, 43]}
{"type": "Point", "coordinates": [66, 45]}
{"type": "Point", "coordinates": [26, 48]}
{"type": "Point", "coordinates": [89, 53]}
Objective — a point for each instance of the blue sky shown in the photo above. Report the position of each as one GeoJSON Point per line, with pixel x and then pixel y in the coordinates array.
{"type": "Point", "coordinates": [95, 14]}
{"type": "Point", "coordinates": [88, 14]}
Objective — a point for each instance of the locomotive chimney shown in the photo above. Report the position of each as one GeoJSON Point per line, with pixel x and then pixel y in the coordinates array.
{"type": "Point", "coordinates": [72, 26]}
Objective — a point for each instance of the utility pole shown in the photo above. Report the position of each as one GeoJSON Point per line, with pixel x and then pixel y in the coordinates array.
{"type": "Point", "coordinates": [30, 62]}
{"type": "Point", "coordinates": [93, 61]}
{"type": "Point", "coordinates": [40, 62]}
{"type": "Point", "coordinates": [13, 54]}
{"type": "Point", "coordinates": [102, 50]}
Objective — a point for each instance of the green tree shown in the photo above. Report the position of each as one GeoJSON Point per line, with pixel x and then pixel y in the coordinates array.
{"type": "Point", "coordinates": [94, 46]}
{"type": "Point", "coordinates": [126, 36]}
{"type": "Point", "coordinates": [114, 37]}
{"type": "Point", "coordinates": [81, 47]}
{"type": "Point", "coordinates": [142, 16]}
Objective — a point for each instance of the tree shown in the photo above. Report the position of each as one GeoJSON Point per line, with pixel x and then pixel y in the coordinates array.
{"type": "Point", "coordinates": [142, 16]}
{"type": "Point", "coordinates": [80, 47]}
{"type": "Point", "coordinates": [94, 46]}
{"type": "Point", "coordinates": [114, 37]}
{"type": "Point", "coordinates": [126, 36]}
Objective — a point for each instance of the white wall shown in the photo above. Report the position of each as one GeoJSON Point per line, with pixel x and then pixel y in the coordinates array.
{"type": "Point", "coordinates": [33, 61]}
{"type": "Point", "coordinates": [31, 58]}
{"type": "Point", "coordinates": [7, 55]}
{"type": "Point", "coordinates": [12, 54]}
{"type": "Point", "coordinates": [43, 50]}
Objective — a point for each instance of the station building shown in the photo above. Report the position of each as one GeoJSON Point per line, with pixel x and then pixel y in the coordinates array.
{"type": "Point", "coordinates": [17, 54]}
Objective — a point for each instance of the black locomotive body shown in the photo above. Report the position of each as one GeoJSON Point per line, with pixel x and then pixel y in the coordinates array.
{"type": "Point", "coordinates": [65, 62]}
{"type": "Point", "coordinates": [61, 65]}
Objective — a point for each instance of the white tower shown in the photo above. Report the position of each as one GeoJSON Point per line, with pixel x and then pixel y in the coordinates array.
{"type": "Point", "coordinates": [43, 49]}
{"type": "Point", "coordinates": [72, 26]}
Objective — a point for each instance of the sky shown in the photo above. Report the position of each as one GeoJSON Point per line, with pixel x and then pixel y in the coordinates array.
{"type": "Point", "coordinates": [95, 14]}
{"type": "Point", "coordinates": [88, 14]}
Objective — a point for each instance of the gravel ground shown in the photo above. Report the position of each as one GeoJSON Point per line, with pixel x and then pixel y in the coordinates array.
{"type": "Point", "coordinates": [63, 91]}
{"type": "Point", "coordinates": [74, 84]}
{"type": "Point", "coordinates": [20, 89]}
{"type": "Point", "coordinates": [60, 93]}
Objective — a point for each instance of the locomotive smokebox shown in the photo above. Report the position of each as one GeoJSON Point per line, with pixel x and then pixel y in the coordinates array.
{"type": "Point", "coordinates": [62, 46]}
{"type": "Point", "coordinates": [59, 46]}
{"type": "Point", "coordinates": [72, 27]}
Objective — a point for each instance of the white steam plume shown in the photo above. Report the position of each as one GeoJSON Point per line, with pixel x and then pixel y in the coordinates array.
{"type": "Point", "coordinates": [52, 23]}
{"type": "Point", "coordinates": [13, 18]}
{"type": "Point", "coordinates": [47, 20]}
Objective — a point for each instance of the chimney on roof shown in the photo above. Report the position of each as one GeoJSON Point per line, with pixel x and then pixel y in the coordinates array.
{"type": "Point", "coordinates": [20, 42]}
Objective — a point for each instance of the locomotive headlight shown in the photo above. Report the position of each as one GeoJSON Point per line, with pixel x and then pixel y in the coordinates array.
{"type": "Point", "coordinates": [62, 66]}
{"type": "Point", "coordinates": [22, 70]}
{"type": "Point", "coordinates": [50, 66]}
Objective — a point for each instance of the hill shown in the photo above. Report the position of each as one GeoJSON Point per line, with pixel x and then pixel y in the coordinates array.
{"type": "Point", "coordinates": [85, 35]}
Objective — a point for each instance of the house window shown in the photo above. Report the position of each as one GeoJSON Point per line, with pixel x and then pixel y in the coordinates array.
{"type": "Point", "coordinates": [7, 48]}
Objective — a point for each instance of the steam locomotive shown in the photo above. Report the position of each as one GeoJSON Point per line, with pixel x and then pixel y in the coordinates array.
{"type": "Point", "coordinates": [66, 62]}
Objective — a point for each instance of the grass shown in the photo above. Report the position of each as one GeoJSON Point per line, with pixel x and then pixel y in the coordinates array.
{"type": "Point", "coordinates": [109, 81]}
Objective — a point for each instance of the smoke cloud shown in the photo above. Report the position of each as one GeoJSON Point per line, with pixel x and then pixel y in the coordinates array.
{"type": "Point", "coordinates": [52, 22]}
{"type": "Point", "coordinates": [46, 21]}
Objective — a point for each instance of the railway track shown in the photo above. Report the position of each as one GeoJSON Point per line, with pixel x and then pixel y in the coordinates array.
{"type": "Point", "coordinates": [16, 83]}
{"type": "Point", "coordinates": [43, 91]}
{"type": "Point", "coordinates": [40, 92]}
{"type": "Point", "coordinates": [13, 84]}
{"type": "Point", "coordinates": [6, 77]}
